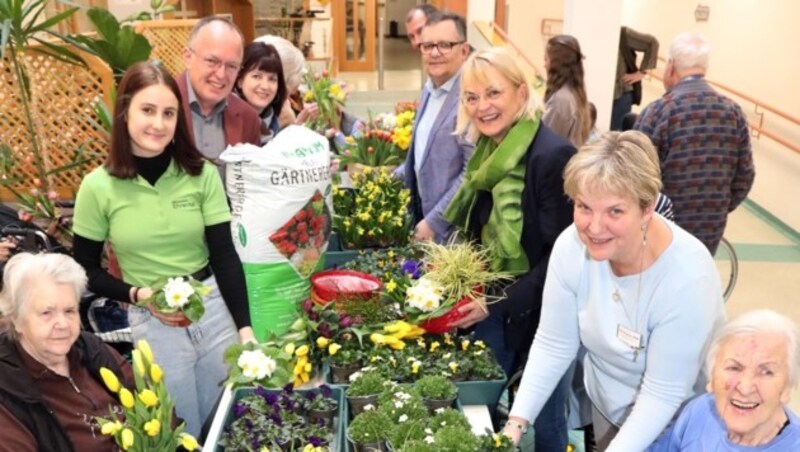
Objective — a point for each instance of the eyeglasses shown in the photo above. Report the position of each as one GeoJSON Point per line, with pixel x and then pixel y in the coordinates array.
{"type": "Point", "coordinates": [491, 95]}
{"type": "Point", "coordinates": [444, 46]}
{"type": "Point", "coordinates": [214, 63]}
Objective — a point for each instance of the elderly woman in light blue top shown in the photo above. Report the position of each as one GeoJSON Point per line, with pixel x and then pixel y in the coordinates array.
{"type": "Point", "coordinates": [638, 292]}
{"type": "Point", "coordinates": [753, 366]}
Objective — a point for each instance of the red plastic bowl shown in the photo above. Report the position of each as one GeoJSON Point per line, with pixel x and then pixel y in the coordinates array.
{"type": "Point", "coordinates": [441, 324]}
{"type": "Point", "coordinates": [330, 285]}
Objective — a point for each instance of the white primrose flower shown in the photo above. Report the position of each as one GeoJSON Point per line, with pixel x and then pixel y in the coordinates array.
{"type": "Point", "coordinates": [429, 439]}
{"type": "Point", "coordinates": [369, 407]}
{"type": "Point", "coordinates": [255, 364]}
{"type": "Point", "coordinates": [398, 404]}
{"type": "Point", "coordinates": [439, 410]}
{"type": "Point", "coordinates": [424, 295]}
{"type": "Point", "coordinates": [355, 376]}
{"type": "Point", "coordinates": [177, 292]}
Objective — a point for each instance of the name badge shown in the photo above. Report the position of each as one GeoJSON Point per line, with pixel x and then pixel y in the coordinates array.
{"type": "Point", "coordinates": [629, 337]}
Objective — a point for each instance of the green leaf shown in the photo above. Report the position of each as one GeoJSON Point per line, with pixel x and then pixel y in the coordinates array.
{"type": "Point", "coordinates": [194, 310]}
{"type": "Point", "coordinates": [53, 21]}
{"type": "Point", "coordinates": [105, 23]}
{"type": "Point", "coordinates": [5, 30]}
{"type": "Point", "coordinates": [233, 352]}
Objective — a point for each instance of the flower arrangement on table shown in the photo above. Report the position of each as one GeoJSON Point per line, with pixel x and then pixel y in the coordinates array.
{"type": "Point", "coordinates": [384, 142]}
{"type": "Point", "coordinates": [374, 213]}
{"type": "Point", "coordinates": [147, 413]}
{"type": "Point", "coordinates": [180, 294]}
{"type": "Point", "coordinates": [280, 420]}
{"type": "Point", "coordinates": [395, 267]}
{"type": "Point", "coordinates": [456, 273]}
{"type": "Point", "coordinates": [329, 96]}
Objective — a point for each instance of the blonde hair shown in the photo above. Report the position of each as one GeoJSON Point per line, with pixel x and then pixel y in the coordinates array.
{"type": "Point", "coordinates": [622, 163]}
{"type": "Point", "coordinates": [474, 72]}
{"type": "Point", "coordinates": [21, 274]}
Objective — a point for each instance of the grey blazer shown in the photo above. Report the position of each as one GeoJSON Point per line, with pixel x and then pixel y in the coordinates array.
{"type": "Point", "coordinates": [443, 165]}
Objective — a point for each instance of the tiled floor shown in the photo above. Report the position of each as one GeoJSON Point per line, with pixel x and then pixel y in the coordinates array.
{"type": "Point", "coordinates": [769, 257]}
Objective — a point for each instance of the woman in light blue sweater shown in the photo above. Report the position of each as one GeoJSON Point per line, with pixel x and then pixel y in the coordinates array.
{"type": "Point", "coordinates": [638, 292]}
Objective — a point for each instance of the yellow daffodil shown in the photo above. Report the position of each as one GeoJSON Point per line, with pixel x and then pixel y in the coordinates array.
{"type": "Point", "coordinates": [188, 442]}
{"type": "Point", "coordinates": [138, 363]}
{"type": "Point", "coordinates": [391, 286]}
{"type": "Point", "coordinates": [465, 344]}
{"type": "Point", "coordinates": [126, 439]}
{"type": "Point", "coordinates": [333, 348]}
{"type": "Point", "coordinates": [453, 366]}
{"type": "Point", "coordinates": [322, 342]}
{"type": "Point", "coordinates": [308, 96]}
{"type": "Point", "coordinates": [301, 350]}
{"type": "Point", "coordinates": [147, 352]}
{"type": "Point", "coordinates": [156, 374]}
{"type": "Point", "coordinates": [111, 428]}
{"type": "Point", "coordinates": [448, 339]}
{"type": "Point", "coordinates": [377, 338]}
{"type": "Point", "coordinates": [148, 397]}
{"type": "Point", "coordinates": [480, 344]}
{"type": "Point", "coordinates": [434, 346]}
{"type": "Point", "coordinates": [126, 398]}
{"type": "Point", "coordinates": [415, 367]}
{"type": "Point", "coordinates": [152, 427]}
{"type": "Point", "coordinates": [111, 380]}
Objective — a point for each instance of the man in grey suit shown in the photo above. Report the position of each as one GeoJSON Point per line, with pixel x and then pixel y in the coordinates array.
{"type": "Point", "coordinates": [437, 159]}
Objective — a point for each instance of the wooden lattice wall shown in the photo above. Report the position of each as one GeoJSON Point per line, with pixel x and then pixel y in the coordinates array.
{"type": "Point", "coordinates": [63, 101]}
{"type": "Point", "coordinates": [168, 38]}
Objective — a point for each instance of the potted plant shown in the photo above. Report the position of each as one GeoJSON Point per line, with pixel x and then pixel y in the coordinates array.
{"type": "Point", "coordinates": [320, 404]}
{"type": "Point", "coordinates": [449, 417]}
{"type": "Point", "coordinates": [404, 432]}
{"type": "Point", "coordinates": [418, 445]}
{"type": "Point", "coordinates": [402, 403]}
{"type": "Point", "coordinates": [343, 362]}
{"type": "Point", "coordinates": [437, 391]}
{"type": "Point", "coordinates": [456, 274]}
{"type": "Point", "coordinates": [496, 442]}
{"type": "Point", "coordinates": [456, 439]}
{"type": "Point", "coordinates": [364, 390]}
{"type": "Point", "coordinates": [369, 431]}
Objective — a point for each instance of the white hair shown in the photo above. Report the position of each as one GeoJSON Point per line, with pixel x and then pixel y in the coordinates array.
{"type": "Point", "coordinates": [760, 321]}
{"type": "Point", "coordinates": [689, 50]}
{"type": "Point", "coordinates": [21, 274]}
{"type": "Point", "coordinates": [292, 59]}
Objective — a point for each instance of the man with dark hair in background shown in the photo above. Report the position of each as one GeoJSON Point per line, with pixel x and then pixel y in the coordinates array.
{"type": "Point", "coordinates": [416, 19]}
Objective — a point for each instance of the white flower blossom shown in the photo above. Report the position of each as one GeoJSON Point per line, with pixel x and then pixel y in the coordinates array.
{"type": "Point", "coordinates": [398, 404]}
{"type": "Point", "coordinates": [429, 439]}
{"type": "Point", "coordinates": [369, 407]}
{"type": "Point", "coordinates": [355, 376]}
{"type": "Point", "coordinates": [424, 295]}
{"type": "Point", "coordinates": [402, 418]}
{"type": "Point", "coordinates": [255, 364]}
{"type": "Point", "coordinates": [439, 410]}
{"type": "Point", "coordinates": [177, 292]}
{"type": "Point", "coordinates": [428, 431]}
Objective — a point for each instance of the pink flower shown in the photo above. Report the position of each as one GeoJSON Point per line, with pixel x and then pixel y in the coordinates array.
{"type": "Point", "coordinates": [24, 216]}
{"type": "Point", "coordinates": [52, 195]}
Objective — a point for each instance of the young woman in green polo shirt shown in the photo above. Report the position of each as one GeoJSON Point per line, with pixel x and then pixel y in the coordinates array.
{"type": "Point", "coordinates": [162, 208]}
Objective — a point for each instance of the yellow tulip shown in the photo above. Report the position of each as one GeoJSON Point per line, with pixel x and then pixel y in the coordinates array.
{"type": "Point", "coordinates": [148, 397]}
{"type": "Point", "coordinates": [126, 398]}
{"type": "Point", "coordinates": [322, 342]}
{"type": "Point", "coordinates": [301, 350]}
{"type": "Point", "coordinates": [147, 352]}
{"type": "Point", "coordinates": [152, 427]}
{"type": "Point", "coordinates": [377, 338]}
{"type": "Point", "coordinates": [289, 348]}
{"type": "Point", "coordinates": [138, 364]}
{"type": "Point", "coordinates": [156, 373]}
{"type": "Point", "coordinates": [333, 348]}
{"type": "Point", "coordinates": [188, 442]}
{"type": "Point", "coordinates": [111, 380]}
{"type": "Point", "coordinates": [127, 439]}
{"type": "Point", "coordinates": [111, 428]}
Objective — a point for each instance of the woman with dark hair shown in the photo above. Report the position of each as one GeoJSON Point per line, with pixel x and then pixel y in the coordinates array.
{"type": "Point", "coordinates": [567, 108]}
{"type": "Point", "coordinates": [162, 208]}
{"type": "Point", "coordinates": [262, 85]}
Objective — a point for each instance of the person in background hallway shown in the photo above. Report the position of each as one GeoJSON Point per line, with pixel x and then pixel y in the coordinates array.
{"type": "Point", "coordinates": [703, 143]}
{"type": "Point", "coordinates": [262, 85]}
{"type": "Point", "coordinates": [416, 19]}
{"type": "Point", "coordinates": [512, 201]}
{"type": "Point", "coordinates": [216, 118]}
{"type": "Point", "coordinates": [753, 364]}
{"type": "Point", "coordinates": [160, 204]}
{"type": "Point", "coordinates": [437, 159]}
{"type": "Point", "coordinates": [567, 109]}
{"type": "Point", "coordinates": [638, 292]}
{"type": "Point", "coordinates": [628, 86]}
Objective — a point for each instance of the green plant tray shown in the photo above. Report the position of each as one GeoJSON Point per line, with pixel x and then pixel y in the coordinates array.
{"type": "Point", "coordinates": [477, 392]}
{"type": "Point", "coordinates": [338, 423]}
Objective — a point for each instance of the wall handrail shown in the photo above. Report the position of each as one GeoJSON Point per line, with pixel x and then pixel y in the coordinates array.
{"type": "Point", "coordinates": [750, 99]}
{"type": "Point", "coordinates": [495, 35]}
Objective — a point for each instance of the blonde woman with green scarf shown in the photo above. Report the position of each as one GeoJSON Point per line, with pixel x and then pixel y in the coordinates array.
{"type": "Point", "coordinates": [512, 200]}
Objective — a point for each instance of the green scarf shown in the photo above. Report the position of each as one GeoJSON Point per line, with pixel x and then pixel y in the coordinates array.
{"type": "Point", "coordinates": [499, 169]}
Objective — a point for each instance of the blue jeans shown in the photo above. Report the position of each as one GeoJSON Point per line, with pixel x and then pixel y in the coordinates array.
{"type": "Point", "coordinates": [620, 108]}
{"type": "Point", "coordinates": [550, 426]}
{"type": "Point", "coordinates": [191, 357]}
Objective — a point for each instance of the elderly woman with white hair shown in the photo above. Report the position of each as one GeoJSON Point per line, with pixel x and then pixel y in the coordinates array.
{"type": "Point", "coordinates": [50, 384]}
{"type": "Point", "coordinates": [753, 364]}
{"type": "Point", "coordinates": [637, 291]}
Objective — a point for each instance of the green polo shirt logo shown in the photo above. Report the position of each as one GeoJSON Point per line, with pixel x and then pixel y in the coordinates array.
{"type": "Point", "coordinates": [187, 202]}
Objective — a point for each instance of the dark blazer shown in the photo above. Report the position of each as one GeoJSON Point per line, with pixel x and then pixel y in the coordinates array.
{"type": "Point", "coordinates": [546, 212]}
{"type": "Point", "coordinates": [443, 165]}
{"type": "Point", "coordinates": [239, 119]}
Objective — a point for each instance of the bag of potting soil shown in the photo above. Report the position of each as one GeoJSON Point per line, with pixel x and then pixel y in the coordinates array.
{"type": "Point", "coordinates": [280, 198]}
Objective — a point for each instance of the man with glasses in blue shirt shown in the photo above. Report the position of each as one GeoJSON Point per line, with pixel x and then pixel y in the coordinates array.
{"type": "Point", "coordinates": [217, 118]}
{"type": "Point", "coordinates": [437, 159]}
